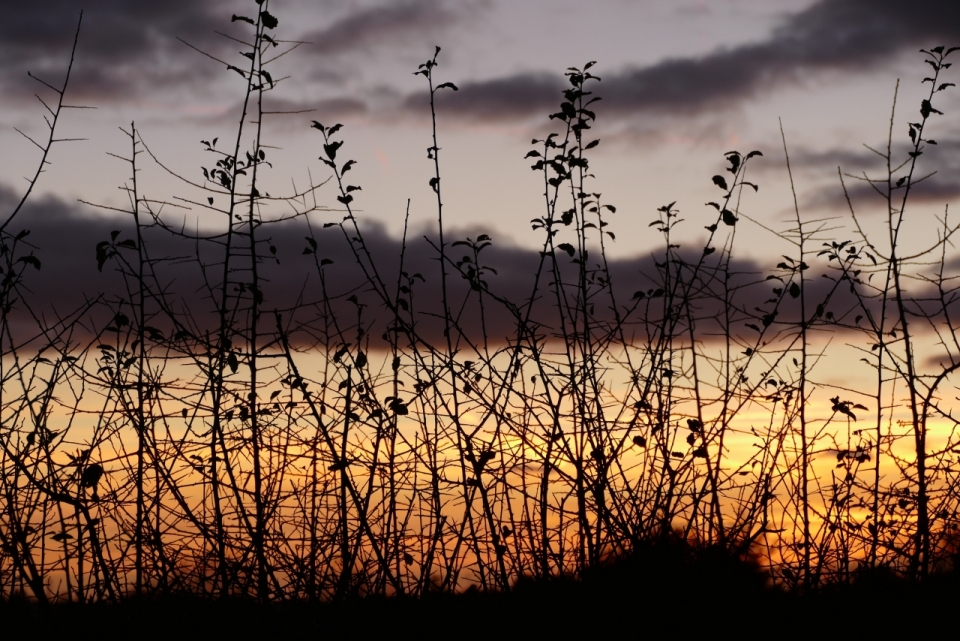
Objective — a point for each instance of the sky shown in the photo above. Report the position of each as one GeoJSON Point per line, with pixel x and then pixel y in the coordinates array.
{"type": "Point", "coordinates": [682, 82]}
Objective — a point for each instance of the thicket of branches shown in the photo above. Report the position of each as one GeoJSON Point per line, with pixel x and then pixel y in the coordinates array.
{"type": "Point", "coordinates": [378, 439]}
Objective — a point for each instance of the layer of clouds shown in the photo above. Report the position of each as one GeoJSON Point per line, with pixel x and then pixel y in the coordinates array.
{"type": "Point", "coordinates": [64, 239]}
{"type": "Point", "coordinates": [386, 25]}
{"type": "Point", "coordinates": [129, 49]}
{"type": "Point", "coordinates": [832, 35]}
{"type": "Point", "coordinates": [124, 47]}
{"type": "Point", "coordinates": [939, 168]}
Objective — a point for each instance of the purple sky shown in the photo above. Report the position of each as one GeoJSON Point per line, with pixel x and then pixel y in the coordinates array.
{"type": "Point", "coordinates": [683, 82]}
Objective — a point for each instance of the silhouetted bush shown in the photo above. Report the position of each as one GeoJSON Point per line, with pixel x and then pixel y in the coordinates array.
{"type": "Point", "coordinates": [197, 434]}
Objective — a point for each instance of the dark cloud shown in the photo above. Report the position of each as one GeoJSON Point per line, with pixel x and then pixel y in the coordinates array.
{"type": "Point", "coordinates": [935, 190]}
{"type": "Point", "coordinates": [386, 24]}
{"type": "Point", "coordinates": [501, 98]}
{"type": "Point", "coordinates": [124, 46]}
{"type": "Point", "coordinates": [64, 239]}
{"type": "Point", "coordinates": [830, 35]}
{"type": "Point", "coordinates": [939, 168]}
{"type": "Point", "coordinates": [127, 49]}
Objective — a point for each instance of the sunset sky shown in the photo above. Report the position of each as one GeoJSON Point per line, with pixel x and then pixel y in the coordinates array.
{"type": "Point", "coordinates": [714, 386]}
{"type": "Point", "coordinates": [683, 81]}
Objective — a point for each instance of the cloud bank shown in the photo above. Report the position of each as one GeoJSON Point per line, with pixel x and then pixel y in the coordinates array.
{"type": "Point", "coordinates": [124, 47]}
{"type": "Point", "coordinates": [64, 239]}
{"type": "Point", "coordinates": [832, 35]}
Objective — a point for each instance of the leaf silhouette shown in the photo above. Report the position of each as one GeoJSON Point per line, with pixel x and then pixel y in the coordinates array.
{"type": "Point", "coordinates": [268, 20]}
{"type": "Point", "coordinates": [30, 260]}
{"type": "Point", "coordinates": [91, 475]}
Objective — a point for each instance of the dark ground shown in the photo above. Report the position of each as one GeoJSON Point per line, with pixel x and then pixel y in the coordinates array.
{"type": "Point", "coordinates": [659, 592]}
